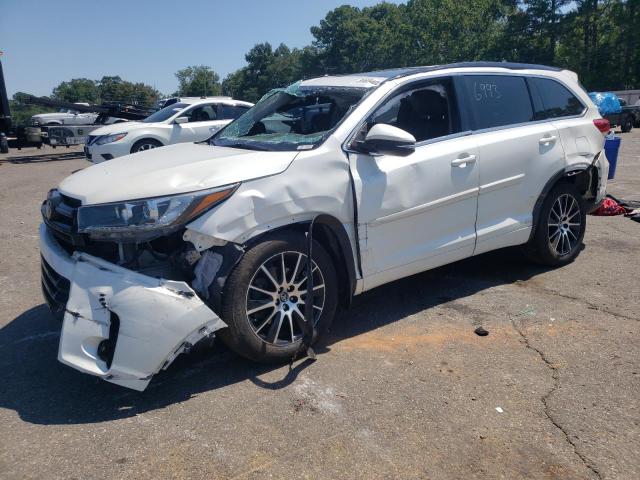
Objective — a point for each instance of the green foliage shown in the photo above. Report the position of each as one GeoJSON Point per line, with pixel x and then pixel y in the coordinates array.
{"type": "Point", "coordinates": [266, 69]}
{"type": "Point", "coordinates": [105, 90]}
{"type": "Point", "coordinates": [77, 90]}
{"type": "Point", "coordinates": [86, 91]}
{"type": "Point", "coordinates": [21, 112]}
{"type": "Point", "coordinates": [116, 89]}
{"type": "Point", "coordinates": [198, 80]}
{"type": "Point", "coordinates": [598, 39]}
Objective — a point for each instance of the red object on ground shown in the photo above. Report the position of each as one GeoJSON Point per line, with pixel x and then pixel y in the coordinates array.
{"type": "Point", "coordinates": [609, 208]}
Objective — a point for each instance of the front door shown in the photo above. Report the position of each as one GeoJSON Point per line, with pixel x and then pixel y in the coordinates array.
{"type": "Point", "coordinates": [202, 124]}
{"type": "Point", "coordinates": [417, 212]}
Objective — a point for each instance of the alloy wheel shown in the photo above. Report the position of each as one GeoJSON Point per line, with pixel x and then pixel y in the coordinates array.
{"type": "Point", "coordinates": [564, 224]}
{"type": "Point", "coordinates": [276, 296]}
{"type": "Point", "coordinates": [145, 146]}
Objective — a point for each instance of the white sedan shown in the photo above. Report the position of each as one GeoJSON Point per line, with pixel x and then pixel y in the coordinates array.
{"type": "Point", "coordinates": [188, 120]}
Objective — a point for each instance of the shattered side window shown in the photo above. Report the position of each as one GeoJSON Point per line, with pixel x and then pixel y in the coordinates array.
{"type": "Point", "coordinates": [295, 118]}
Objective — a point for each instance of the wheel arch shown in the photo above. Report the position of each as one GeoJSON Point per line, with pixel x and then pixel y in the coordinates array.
{"type": "Point", "coordinates": [583, 175]}
{"type": "Point", "coordinates": [332, 235]}
{"type": "Point", "coordinates": [147, 136]}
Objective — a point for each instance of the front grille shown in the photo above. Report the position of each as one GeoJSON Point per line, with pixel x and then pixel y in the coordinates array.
{"type": "Point", "coordinates": [60, 214]}
{"type": "Point", "coordinates": [55, 289]}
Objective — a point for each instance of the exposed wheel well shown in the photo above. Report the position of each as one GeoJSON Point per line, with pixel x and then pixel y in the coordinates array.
{"type": "Point", "coordinates": [585, 179]}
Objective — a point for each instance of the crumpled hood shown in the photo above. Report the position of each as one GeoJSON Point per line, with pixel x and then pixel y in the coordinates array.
{"type": "Point", "coordinates": [119, 128]}
{"type": "Point", "coordinates": [179, 168]}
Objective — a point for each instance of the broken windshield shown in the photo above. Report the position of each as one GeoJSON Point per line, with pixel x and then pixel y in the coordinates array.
{"type": "Point", "coordinates": [295, 118]}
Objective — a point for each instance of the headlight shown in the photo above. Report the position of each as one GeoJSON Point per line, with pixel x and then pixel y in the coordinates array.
{"type": "Point", "coordinates": [148, 218]}
{"type": "Point", "coordinates": [104, 139]}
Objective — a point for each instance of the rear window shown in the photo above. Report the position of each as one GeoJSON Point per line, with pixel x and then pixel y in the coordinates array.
{"type": "Point", "coordinates": [498, 100]}
{"type": "Point", "coordinates": [554, 100]}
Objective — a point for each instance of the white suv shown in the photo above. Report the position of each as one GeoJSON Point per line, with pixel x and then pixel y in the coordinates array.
{"type": "Point", "coordinates": [374, 177]}
{"type": "Point", "coordinates": [188, 120]}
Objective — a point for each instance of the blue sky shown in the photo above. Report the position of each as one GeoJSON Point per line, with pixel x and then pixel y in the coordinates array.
{"type": "Point", "coordinates": [47, 42]}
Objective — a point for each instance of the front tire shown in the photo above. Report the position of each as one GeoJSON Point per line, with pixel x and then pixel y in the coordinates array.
{"type": "Point", "coordinates": [265, 293]}
{"type": "Point", "coordinates": [627, 125]}
{"type": "Point", "coordinates": [558, 237]}
{"type": "Point", "coordinates": [145, 144]}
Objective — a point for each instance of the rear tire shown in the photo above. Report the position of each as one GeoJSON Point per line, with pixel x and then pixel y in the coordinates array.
{"type": "Point", "coordinates": [4, 144]}
{"type": "Point", "coordinates": [145, 144]}
{"type": "Point", "coordinates": [558, 236]}
{"type": "Point", "coordinates": [627, 124]}
{"type": "Point", "coordinates": [260, 308]}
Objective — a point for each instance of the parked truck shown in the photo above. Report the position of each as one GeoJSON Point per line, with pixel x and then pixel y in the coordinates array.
{"type": "Point", "coordinates": [67, 133]}
{"type": "Point", "coordinates": [617, 110]}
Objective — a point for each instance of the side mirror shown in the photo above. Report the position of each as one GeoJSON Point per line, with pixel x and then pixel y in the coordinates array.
{"type": "Point", "coordinates": [180, 120]}
{"type": "Point", "coordinates": [390, 140]}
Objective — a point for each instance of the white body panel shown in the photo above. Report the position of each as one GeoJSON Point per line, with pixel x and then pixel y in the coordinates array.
{"type": "Point", "coordinates": [64, 118]}
{"type": "Point", "coordinates": [402, 198]}
{"type": "Point", "coordinates": [158, 318]}
{"type": "Point", "coordinates": [174, 169]}
{"type": "Point", "coordinates": [414, 212]}
{"type": "Point", "coordinates": [167, 132]}
{"type": "Point", "coordinates": [514, 168]}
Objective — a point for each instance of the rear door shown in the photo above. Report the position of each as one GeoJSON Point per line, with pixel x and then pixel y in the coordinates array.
{"type": "Point", "coordinates": [202, 122]}
{"type": "Point", "coordinates": [555, 102]}
{"type": "Point", "coordinates": [517, 155]}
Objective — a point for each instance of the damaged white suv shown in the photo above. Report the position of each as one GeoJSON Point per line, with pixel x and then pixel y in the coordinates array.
{"type": "Point", "coordinates": [375, 176]}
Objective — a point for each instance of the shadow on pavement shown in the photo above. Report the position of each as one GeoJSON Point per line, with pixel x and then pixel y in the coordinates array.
{"type": "Point", "coordinates": [42, 158]}
{"type": "Point", "coordinates": [43, 391]}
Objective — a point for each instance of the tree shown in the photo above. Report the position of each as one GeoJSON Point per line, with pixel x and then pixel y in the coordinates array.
{"type": "Point", "coordinates": [22, 112]}
{"type": "Point", "coordinates": [266, 69]}
{"type": "Point", "coordinates": [350, 39]}
{"type": "Point", "coordinates": [198, 80]}
{"type": "Point", "coordinates": [116, 89]}
{"type": "Point", "coordinates": [77, 90]}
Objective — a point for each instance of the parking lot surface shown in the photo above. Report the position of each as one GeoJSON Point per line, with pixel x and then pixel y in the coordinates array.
{"type": "Point", "coordinates": [402, 387]}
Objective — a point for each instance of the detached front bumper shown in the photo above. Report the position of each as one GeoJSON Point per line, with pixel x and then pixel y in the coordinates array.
{"type": "Point", "coordinates": [118, 324]}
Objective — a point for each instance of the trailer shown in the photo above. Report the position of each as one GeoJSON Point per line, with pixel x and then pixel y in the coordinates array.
{"type": "Point", "coordinates": [67, 135]}
{"type": "Point", "coordinates": [12, 136]}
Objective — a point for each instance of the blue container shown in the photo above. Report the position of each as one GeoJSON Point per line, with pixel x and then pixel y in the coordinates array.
{"type": "Point", "coordinates": [611, 147]}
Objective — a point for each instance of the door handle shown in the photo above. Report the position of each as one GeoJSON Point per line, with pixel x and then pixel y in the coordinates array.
{"type": "Point", "coordinates": [461, 162]}
{"type": "Point", "coordinates": [547, 139]}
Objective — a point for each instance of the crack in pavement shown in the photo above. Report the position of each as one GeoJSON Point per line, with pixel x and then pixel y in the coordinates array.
{"type": "Point", "coordinates": [545, 397]}
{"type": "Point", "coordinates": [590, 305]}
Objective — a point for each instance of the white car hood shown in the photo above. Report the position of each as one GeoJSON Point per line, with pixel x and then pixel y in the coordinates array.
{"type": "Point", "coordinates": [120, 128]}
{"type": "Point", "coordinates": [179, 168]}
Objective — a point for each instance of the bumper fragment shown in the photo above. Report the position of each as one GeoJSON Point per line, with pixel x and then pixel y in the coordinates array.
{"type": "Point", "coordinates": [157, 319]}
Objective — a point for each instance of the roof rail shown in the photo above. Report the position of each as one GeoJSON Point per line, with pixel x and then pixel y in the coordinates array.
{"type": "Point", "coordinates": [392, 73]}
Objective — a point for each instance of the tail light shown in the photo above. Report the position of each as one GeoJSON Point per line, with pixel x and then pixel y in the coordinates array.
{"type": "Point", "coordinates": [602, 124]}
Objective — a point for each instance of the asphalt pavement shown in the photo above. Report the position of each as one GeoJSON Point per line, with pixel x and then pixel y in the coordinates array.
{"type": "Point", "coordinates": [402, 387]}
